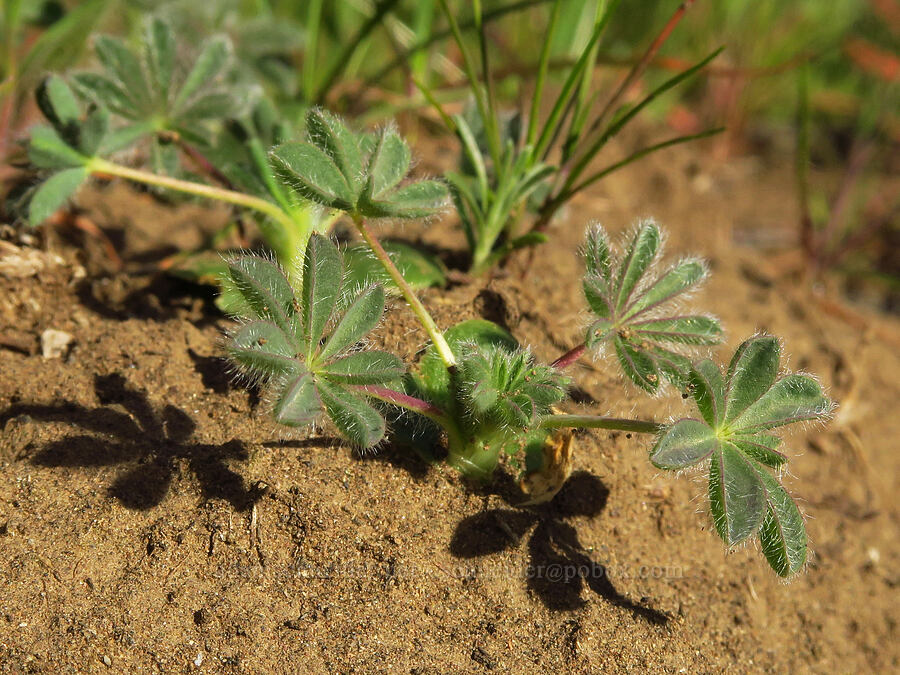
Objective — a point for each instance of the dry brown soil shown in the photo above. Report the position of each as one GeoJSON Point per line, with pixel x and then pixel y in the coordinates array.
{"type": "Point", "coordinates": [153, 520]}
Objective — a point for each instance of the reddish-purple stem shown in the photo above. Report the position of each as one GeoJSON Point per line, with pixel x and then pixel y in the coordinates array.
{"type": "Point", "coordinates": [402, 400]}
{"type": "Point", "coordinates": [569, 357]}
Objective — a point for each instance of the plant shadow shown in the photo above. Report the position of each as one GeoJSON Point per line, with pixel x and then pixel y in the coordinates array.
{"type": "Point", "coordinates": [150, 444]}
{"type": "Point", "coordinates": [559, 566]}
{"type": "Point", "coordinates": [158, 297]}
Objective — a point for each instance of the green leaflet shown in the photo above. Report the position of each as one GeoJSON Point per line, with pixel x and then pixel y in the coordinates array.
{"type": "Point", "coordinates": [416, 200]}
{"type": "Point", "coordinates": [708, 389]}
{"type": "Point", "coordinates": [736, 495]}
{"type": "Point", "coordinates": [299, 403]}
{"type": "Point", "coordinates": [358, 421]}
{"type": "Point", "coordinates": [328, 133]}
{"type": "Point", "coordinates": [48, 151]}
{"type": "Point", "coordinates": [750, 374]}
{"type": "Point", "coordinates": [782, 535]}
{"type": "Point", "coordinates": [684, 444]}
{"type": "Point", "coordinates": [265, 291]}
{"type": "Point", "coordinates": [58, 103]}
{"type": "Point", "coordinates": [388, 163]}
{"type": "Point", "coordinates": [54, 192]}
{"type": "Point", "coordinates": [263, 349]}
{"type": "Point", "coordinates": [322, 277]}
{"type": "Point", "coordinates": [360, 318]}
{"type": "Point", "coordinates": [369, 367]}
{"type": "Point", "coordinates": [637, 261]}
{"type": "Point", "coordinates": [794, 398]}
{"type": "Point", "coordinates": [314, 174]}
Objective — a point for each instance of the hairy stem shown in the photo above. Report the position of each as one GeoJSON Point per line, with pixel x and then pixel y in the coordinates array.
{"type": "Point", "coordinates": [597, 422]}
{"type": "Point", "coordinates": [569, 357]}
{"type": "Point", "coordinates": [418, 308]}
{"type": "Point", "coordinates": [402, 400]}
{"type": "Point", "coordinates": [97, 165]}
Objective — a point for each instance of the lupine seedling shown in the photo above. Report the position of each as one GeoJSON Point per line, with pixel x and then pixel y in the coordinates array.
{"type": "Point", "coordinates": [303, 316]}
{"type": "Point", "coordinates": [486, 398]}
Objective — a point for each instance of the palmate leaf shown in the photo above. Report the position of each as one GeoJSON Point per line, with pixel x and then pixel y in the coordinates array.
{"type": "Point", "coordinates": [302, 345]}
{"type": "Point", "coordinates": [147, 88]}
{"type": "Point", "coordinates": [737, 410]}
{"type": "Point", "coordinates": [357, 173]}
{"type": "Point", "coordinates": [633, 307]}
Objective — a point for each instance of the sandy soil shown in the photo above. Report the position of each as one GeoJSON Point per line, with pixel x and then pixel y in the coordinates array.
{"type": "Point", "coordinates": [153, 520]}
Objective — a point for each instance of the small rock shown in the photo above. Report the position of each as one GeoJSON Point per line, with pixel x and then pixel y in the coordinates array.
{"type": "Point", "coordinates": [106, 660]}
{"type": "Point", "coordinates": [199, 660]}
{"type": "Point", "coordinates": [55, 343]}
{"type": "Point", "coordinates": [19, 263]}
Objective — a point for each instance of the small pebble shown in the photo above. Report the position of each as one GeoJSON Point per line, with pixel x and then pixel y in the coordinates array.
{"type": "Point", "coordinates": [199, 660]}
{"type": "Point", "coordinates": [55, 343]}
{"type": "Point", "coordinates": [106, 660]}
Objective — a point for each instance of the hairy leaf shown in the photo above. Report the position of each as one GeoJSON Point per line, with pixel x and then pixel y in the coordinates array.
{"type": "Point", "coordinates": [782, 535]}
{"type": "Point", "coordinates": [265, 290]}
{"type": "Point", "coordinates": [329, 133]}
{"type": "Point", "coordinates": [371, 367]}
{"type": "Point", "coordinates": [299, 403]}
{"type": "Point", "coordinates": [388, 163]}
{"type": "Point", "coordinates": [736, 495]}
{"type": "Point", "coordinates": [416, 200]}
{"type": "Point", "coordinates": [263, 350]}
{"type": "Point", "coordinates": [358, 421]}
{"type": "Point", "coordinates": [48, 151]}
{"type": "Point", "coordinates": [313, 174]}
{"type": "Point", "coordinates": [794, 398]}
{"type": "Point", "coordinates": [631, 308]}
{"type": "Point", "coordinates": [54, 192]}
{"type": "Point", "coordinates": [322, 276]}
{"type": "Point", "coordinates": [684, 444]}
{"type": "Point", "coordinates": [360, 318]}
{"type": "Point", "coordinates": [708, 389]}
{"type": "Point", "coordinates": [637, 260]}
{"type": "Point", "coordinates": [751, 373]}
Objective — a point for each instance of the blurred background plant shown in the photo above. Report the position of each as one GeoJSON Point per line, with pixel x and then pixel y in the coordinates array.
{"type": "Point", "coordinates": [812, 78]}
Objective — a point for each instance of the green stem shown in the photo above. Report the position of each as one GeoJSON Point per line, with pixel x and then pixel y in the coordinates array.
{"type": "Point", "coordinates": [97, 165]}
{"type": "Point", "coordinates": [596, 422]}
{"type": "Point", "coordinates": [440, 343]}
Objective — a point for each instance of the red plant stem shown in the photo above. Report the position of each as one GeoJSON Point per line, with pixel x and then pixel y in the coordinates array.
{"type": "Point", "coordinates": [403, 400]}
{"type": "Point", "coordinates": [642, 65]}
{"type": "Point", "coordinates": [569, 357]}
{"type": "Point", "coordinates": [860, 155]}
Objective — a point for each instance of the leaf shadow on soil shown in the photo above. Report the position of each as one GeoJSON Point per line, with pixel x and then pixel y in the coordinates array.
{"type": "Point", "coordinates": [559, 566]}
{"type": "Point", "coordinates": [151, 443]}
{"type": "Point", "coordinates": [157, 298]}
